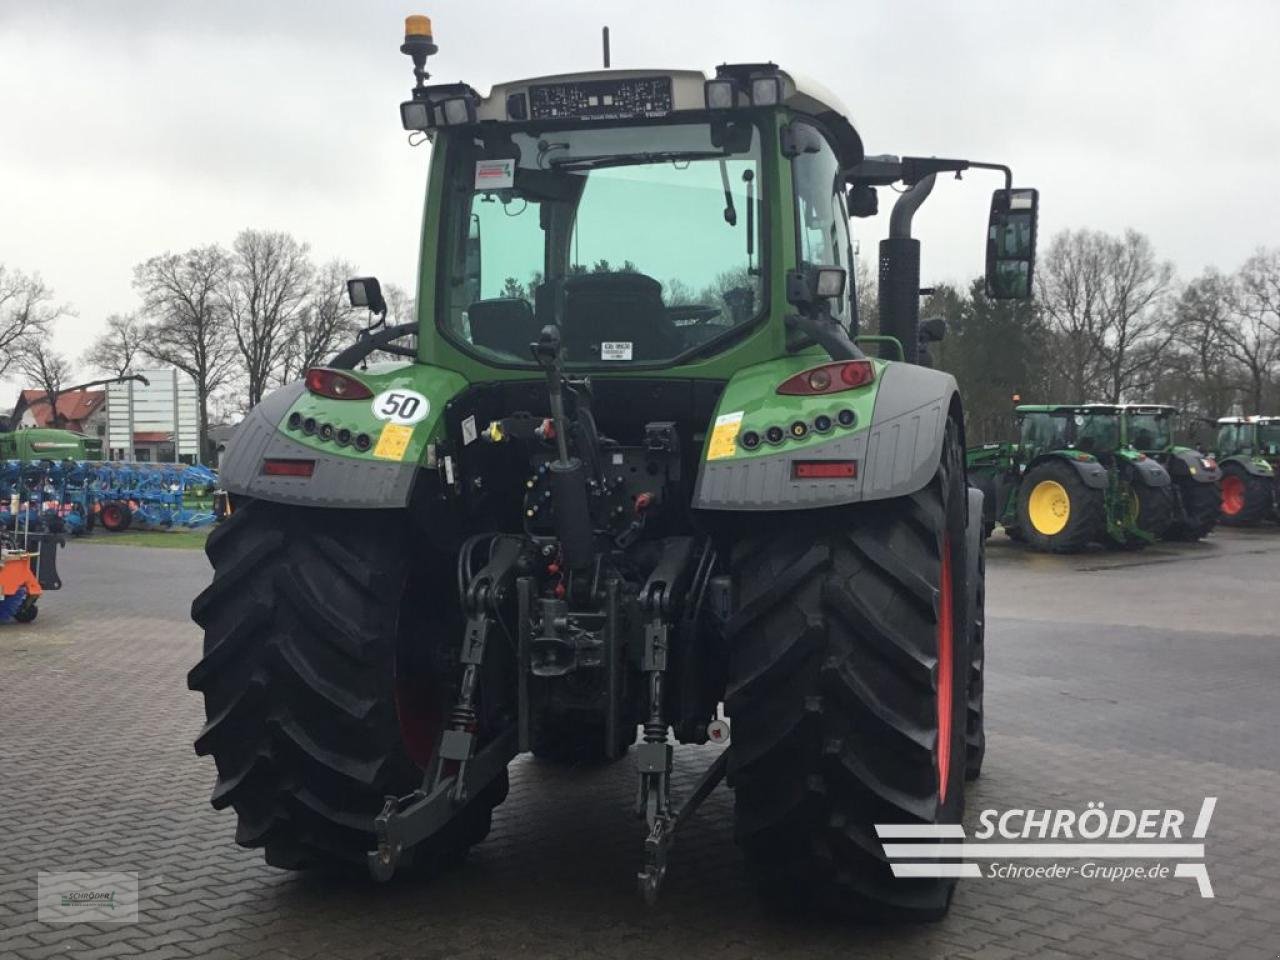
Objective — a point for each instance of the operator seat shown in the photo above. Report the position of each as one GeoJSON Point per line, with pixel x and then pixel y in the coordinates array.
{"type": "Point", "coordinates": [504, 325]}
{"type": "Point", "coordinates": [619, 308]}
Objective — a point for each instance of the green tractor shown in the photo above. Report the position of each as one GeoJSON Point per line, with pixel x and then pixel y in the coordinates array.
{"type": "Point", "coordinates": [45, 443]}
{"type": "Point", "coordinates": [1072, 480]}
{"type": "Point", "coordinates": [634, 467]}
{"type": "Point", "coordinates": [1149, 428]}
{"type": "Point", "coordinates": [1248, 448]}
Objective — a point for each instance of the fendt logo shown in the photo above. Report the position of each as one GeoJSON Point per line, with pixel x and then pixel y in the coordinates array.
{"type": "Point", "coordinates": [1087, 840]}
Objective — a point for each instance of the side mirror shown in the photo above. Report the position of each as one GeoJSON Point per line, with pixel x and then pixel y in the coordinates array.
{"type": "Point", "coordinates": [1011, 244]}
{"type": "Point", "coordinates": [366, 292]}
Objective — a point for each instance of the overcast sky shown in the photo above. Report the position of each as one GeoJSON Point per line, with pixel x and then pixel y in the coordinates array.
{"type": "Point", "coordinates": [132, 128]}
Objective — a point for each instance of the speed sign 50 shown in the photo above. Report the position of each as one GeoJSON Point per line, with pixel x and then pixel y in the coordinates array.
{"type": "Point", "coordinates": [400, 406]}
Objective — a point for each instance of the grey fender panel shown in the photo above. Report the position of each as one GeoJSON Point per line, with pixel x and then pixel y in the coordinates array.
{"type": "Point", "coordinates": [1250, 466]}
{"type": "Point", "coordinates": [764, 483]}
{"type": "Point", "coordinates": [1091, 472]}
{"type": "Point", "coordinates": [1149, 473]}
{"type": "Point", "coordinates": [338, 482]}
{"type": "Point", "coordinates": [897, 455]}
{"type": "Point", "coordinates": [1183, 462]}
{"type": "Point", "coordinates": [908, 427]}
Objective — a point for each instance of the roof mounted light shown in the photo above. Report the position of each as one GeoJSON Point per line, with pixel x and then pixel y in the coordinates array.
{"type": "Point", "coordinates": [416, 115]}
{"type": "Point", "coordinates": [456, 110]}
{"type": "Point", "coordinates": [721, 94]}
{"type": "Point", "coordinates": [766, 91]}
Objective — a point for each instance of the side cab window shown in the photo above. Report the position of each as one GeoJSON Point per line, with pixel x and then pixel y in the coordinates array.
{"type": "Point", "coordinates": [822, 224]}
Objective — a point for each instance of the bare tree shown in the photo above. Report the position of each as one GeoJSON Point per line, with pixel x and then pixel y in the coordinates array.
{"type": "Point", "coordinates": [1202, 360]}
{"type": "Point", "coordinates": [1069, 291]}
{"type": "Point", "coordinates": [324, 324]}
{"type": "Point", "coordinates": [1103, 300]}
{"type": "Point", "coordinates": [119, 348]}
{"type": "Point", "coordinates": [1253, 335]}
{"type": "Point", "coordinates": [1136, 327]}
{"type": "Point", "coordinates": [186, 320]}
{"type": "Point", "coordinates": [47, 370]}
{"type": "Point", "coordinates": [264, 291]}
{"type": "Point", "coordinates": [27, 312]}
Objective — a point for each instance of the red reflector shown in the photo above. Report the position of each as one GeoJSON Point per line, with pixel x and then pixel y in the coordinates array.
{"type": "Point", "coordinates": [829, 378]}
{"type": "Point", "coordinates": [336, 385]}
{"type": "Point", "coordinates": [288, 468]}
{"type": "Point", "coordinates": [824, 469]}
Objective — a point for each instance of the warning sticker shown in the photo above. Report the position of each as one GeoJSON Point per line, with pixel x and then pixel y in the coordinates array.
{"type": "Point", "coordinates": [724, 436]}
{"type": "Point", "coordinates": [615, 350]}
{"type": "Point", "coordinates": [497, 174]}
{"type": "Point", "coordinates": [469, 430]}
{"type": "Point", "coordinates": [393, 442]}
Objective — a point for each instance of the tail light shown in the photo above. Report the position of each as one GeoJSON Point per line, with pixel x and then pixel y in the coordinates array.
{"type": "Point", "coordinates": [336, 385]}
{"type": "Point", "coordinates": [829, 378]}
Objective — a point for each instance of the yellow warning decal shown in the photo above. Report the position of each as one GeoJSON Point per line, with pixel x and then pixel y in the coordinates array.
{"type": "Point", "coordinates": [724, 436]}
{"type": "Point", "coordinates": [393, 442]}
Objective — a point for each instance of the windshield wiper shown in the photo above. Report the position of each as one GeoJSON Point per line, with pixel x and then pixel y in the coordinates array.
{"type": "Point", "coordinates": [730, 214]}
{"type": "Point", "coordinates": [631, 159]}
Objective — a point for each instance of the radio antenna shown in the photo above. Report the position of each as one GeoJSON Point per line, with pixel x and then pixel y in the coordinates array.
{"type": "Point", "coordinates": [604, 36]}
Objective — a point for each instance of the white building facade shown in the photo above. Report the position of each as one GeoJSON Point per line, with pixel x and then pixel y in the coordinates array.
{"type": "Point", "coordinates": [157, 422]}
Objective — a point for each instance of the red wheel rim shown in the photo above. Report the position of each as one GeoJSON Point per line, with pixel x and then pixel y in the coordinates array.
{"type": "Point", "coordinates": [945, 642]}
{"type": "Point", "coordinates": [1232, 494]}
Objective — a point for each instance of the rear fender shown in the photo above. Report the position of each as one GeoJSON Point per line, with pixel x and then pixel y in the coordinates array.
{"type": "Point", "coordinates": [1143, 470]}
{"type": "Point", "coordinates": [896, 440]}
{"type": "Point", "coordinates": [1092, 473]}
{"type": "Point", "coordinates": [1186, 465]}
{"type": "Point", "coordinates": [342, 476]}
{"type": "Point", "coordinates": [1251, 465]}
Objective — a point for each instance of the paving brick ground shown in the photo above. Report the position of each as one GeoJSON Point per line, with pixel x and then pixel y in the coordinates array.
{"type": "Point", "coordinates": [1137, 680]}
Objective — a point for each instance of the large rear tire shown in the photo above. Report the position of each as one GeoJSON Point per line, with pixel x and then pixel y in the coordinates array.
{"type": "Point", "coordinates": [849, 671]}
{"type": "Point", "coordinates": [1246, 498]}
{"type": "Point", "coordinates": [324, 683]}
{"type": "Point", "coordinates": [1057, 512]}
{"type": "Point", "coordinates": [1156, 510]}
{"type": "Point", "coordinates": [1199, 507]}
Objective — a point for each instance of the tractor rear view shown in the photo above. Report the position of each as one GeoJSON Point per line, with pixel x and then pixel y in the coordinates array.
{"type": "Point", "coordinates": [636, 466]}
{"type": "Point", "coordinates": [1248, 450]}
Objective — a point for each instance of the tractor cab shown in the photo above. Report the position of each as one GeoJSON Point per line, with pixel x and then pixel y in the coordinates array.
{"type": "Point", "coordinates": [1148, 428]}
{"type": "Point", "coordinates": [1236, 437]}
{"type": "Point", "coordinates": [1094, 429]}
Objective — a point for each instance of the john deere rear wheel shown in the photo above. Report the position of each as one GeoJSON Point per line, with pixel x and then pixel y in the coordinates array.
{"type": "Point", "coordinates": [1200, 505]}
{"type": "Point", "coordinates": [1149, 510]}
{"type": "Point", "coordinates": [1246, 499]}
{"type": "Point", "coordinates": [849, 669]}
{"type": "Point", "coordinates": [1057, 512]}
{"type": "Point", "coordinates": [324, 682]}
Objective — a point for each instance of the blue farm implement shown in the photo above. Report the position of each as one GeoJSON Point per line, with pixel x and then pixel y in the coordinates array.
{"type": "Point", "coordinates": [76, 495]}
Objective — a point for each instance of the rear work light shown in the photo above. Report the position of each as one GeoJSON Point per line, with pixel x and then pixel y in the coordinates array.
{"type": "Point", "coordinates": [829, 378]}
{"type": "Point", "coordinates": [824, 469]}
{"type": "Point", "coordinates": [288, 468]}
{"type": "Point", "coordinates": [336, 385]}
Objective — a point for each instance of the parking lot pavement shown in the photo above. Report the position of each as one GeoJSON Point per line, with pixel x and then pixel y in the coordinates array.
{"type": "Point", "coordinates": [1137, 680]}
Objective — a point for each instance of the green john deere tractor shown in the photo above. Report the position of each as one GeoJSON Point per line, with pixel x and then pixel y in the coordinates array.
{"type": "Point", "coordinates": [1248, 448]}
{"type": "Point", "coordinates": [635, 466]}
{"type": "Point", "coordinates": [1148, 429]}
{"type": "Point", "coordinates": [1072, 479]}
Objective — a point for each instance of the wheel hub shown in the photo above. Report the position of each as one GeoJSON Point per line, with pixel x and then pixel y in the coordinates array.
{"type": "Point", "coordinates": [1049, 507]}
